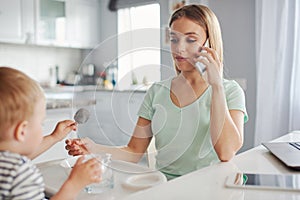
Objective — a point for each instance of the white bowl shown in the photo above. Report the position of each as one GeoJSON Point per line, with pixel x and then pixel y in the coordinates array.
{"type": "Point", "coordinates": [143, 181]}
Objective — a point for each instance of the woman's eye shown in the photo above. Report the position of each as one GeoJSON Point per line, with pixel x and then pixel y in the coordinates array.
{"type": "Point", "coordinates": [173, 40]}
{"type": "Point", "coordinates": [191, 40]}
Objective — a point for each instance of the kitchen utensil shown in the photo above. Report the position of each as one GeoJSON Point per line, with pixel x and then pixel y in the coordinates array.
{"type": "Point", "coordinates": [82, 116]}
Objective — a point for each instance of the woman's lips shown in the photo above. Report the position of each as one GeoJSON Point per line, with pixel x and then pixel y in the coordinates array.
{"type": "Point", "coordinates": [180, 59]}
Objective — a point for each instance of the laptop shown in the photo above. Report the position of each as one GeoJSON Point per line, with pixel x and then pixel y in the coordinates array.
{"type": "Point", "coordinates": [287, 152]}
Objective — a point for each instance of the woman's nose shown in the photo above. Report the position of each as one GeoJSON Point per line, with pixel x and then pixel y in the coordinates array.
{"type": "Point", "coordinates": [180, 47]}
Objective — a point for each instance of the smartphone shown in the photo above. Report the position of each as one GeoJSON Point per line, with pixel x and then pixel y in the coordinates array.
{"type": "Point", "coordinates": [200, 66]}
{"type": "Point", "coordinates": [264, 181]}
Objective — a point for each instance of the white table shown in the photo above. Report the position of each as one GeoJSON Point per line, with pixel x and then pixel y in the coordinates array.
{"type": "Point", "coordinates": [54, 176]}
{"type": "Point", "coordinates": [209, 183]}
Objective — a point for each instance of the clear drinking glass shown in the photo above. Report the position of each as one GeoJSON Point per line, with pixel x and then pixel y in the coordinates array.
{"type": "Point", "coordinates": [107, 176]}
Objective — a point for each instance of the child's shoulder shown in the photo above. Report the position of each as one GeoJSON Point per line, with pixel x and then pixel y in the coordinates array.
{"type": "Point", "coordinates": [11, 159]}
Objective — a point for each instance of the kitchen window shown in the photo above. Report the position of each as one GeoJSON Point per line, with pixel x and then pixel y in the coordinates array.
{"type": "Point", "coordinates": [138, 46]}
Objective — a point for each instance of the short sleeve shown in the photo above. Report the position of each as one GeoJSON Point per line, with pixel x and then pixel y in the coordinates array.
{"type": "Point", "coordinates": [235, 97]}
{"type": "Point", "coordinates": [146, 110]}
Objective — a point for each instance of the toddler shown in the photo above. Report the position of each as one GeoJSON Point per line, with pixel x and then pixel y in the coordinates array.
{"type": "Point", "coordinates": [22, 111]}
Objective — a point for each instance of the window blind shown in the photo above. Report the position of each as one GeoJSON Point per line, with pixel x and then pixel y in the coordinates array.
{"type": "Point", "coordinates": [114, 5]}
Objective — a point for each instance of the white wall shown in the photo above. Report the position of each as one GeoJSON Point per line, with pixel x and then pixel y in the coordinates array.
{"type": "Point", "coordinates": [237, 20]}
{"type": "Point", "coordinates": [36, 60]}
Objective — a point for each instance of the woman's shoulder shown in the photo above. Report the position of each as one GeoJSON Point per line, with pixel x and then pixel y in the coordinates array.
{"type": "Point", "coordinates": [165, 81]}
{"type": "Point", "coordinates": [162, 84]}
{"type": "Point", "coordinates": [231, 84]}
{"type": "Point", "coordinates": [232, 88]}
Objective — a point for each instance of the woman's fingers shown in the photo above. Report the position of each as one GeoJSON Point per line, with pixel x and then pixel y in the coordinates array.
{"type": "Point", "coordinates": [212, 56]}
{"type": "Point", "coordinates": [75, 153]}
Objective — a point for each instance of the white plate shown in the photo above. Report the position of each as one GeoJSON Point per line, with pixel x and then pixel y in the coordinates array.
{"type": "Point", "coordinates": [143, 181]}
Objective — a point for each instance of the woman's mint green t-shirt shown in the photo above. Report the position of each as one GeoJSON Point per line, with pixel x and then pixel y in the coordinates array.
{"type": "Point", "coordinates": [182, 135]}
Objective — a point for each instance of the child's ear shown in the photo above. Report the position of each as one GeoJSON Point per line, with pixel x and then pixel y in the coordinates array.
{"type": "Point", "coordinates": [20, 131]}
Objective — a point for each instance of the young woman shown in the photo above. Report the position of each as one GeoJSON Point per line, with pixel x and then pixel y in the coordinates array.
{"type": "Point", "coordinates": [196, 119]}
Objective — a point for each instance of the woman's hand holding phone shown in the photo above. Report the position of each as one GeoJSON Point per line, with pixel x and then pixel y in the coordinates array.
{"type": "Point", "coordinates": [199, 65]}
{"type": "Point", "coordinates": [208, 61]}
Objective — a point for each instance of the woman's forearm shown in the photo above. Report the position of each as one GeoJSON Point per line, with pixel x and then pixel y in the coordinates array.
{"type": "Point", "coordinates": [132, 152]}
{"type": "Point", "coordinates": [136, 147]}
{"type": "Point", "coordinates": [120, 153]}
{"type": "Point", "coordinates": [225, 135]}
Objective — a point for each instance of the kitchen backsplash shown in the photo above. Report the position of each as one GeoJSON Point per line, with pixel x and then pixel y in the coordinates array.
{"type": "Point", "coordinates": [36, 60]}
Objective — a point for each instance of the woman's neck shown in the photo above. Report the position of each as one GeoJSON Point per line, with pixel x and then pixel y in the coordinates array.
{"type": "Point", "coordinates": [192, 78]}
{"type": "Point", "coordinates": [186, 89]}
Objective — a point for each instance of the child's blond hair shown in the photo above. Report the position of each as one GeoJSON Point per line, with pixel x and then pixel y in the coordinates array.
{"type": "Point", "coordinates": [18, 97]}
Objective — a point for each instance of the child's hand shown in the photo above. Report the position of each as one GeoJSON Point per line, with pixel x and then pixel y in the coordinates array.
{"type": "Point", "coordinates": [82, 174]}
{"type": "Point", "coordinates": [80, 146]}
{"type": "Point", "coordinates": [85, 173]}
{"type": "Point", "coordinates": [63, 128]}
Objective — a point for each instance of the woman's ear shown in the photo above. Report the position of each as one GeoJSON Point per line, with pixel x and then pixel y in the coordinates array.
{"type": "Point", "coordinates": [20, 131]}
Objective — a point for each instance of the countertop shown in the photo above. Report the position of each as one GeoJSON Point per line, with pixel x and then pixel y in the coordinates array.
{"type": "Point", "coordinates": [83, 88]}
{"type": "Point", "coordinates": [209, 182]}
{"type": "Point", "coordinates": [63, 96]}
{"type": "Point", "coordinates": [54, 175]}
{"type": "Point", "coordinates": [67, 103]}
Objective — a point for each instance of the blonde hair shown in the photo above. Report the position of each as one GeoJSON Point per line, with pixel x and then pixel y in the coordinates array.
{"type": "Point", "coordinates": [19, 95]}
{"type": "Point", "coordinates": [203, 16]}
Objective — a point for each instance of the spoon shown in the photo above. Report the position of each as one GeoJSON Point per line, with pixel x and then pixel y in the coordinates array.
{"type": "Point", "coordinates": [81, 116]}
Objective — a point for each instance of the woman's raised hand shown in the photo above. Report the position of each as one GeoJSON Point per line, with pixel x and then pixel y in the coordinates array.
{"type": "Point", "coordinates": [80, 146]}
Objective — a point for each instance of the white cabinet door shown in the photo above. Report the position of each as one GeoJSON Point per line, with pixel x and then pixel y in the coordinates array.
{"type": "Point", "coordinates": [17, 21]}
{"type": "Point", "coordinates": [125, 108]}
{"type": "Point", "coordinates": [101, 126]}
{"type": "Point", "coordinates": [50, 22]}
{"type": "Point", "coordinates": [113, 118]}
{"type": "Point", "coordinates": [66, 23]}
{"type": "Point", "coordinates": [11, 20]}
{"type": "Point", "coordinates": [28, 21]}
{"type": "Point", "coordinates": [83, 23]}
{"type": "Point", "coordinates": [69, 23]}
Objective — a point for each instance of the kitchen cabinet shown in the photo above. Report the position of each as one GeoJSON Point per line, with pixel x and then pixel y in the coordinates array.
{"type": "Point", "coordinates": [68, 23]}
{"type": "Point", "coordinates": [113, 118]}
{"type": "Point", "coordinates": [50, 22]}
{"type": "Point", "coordinates": [83, 24]}
{"type": "Point", "coordinates": [16, 20]}
{"type": "Point", "coordinates": [62, 23]}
